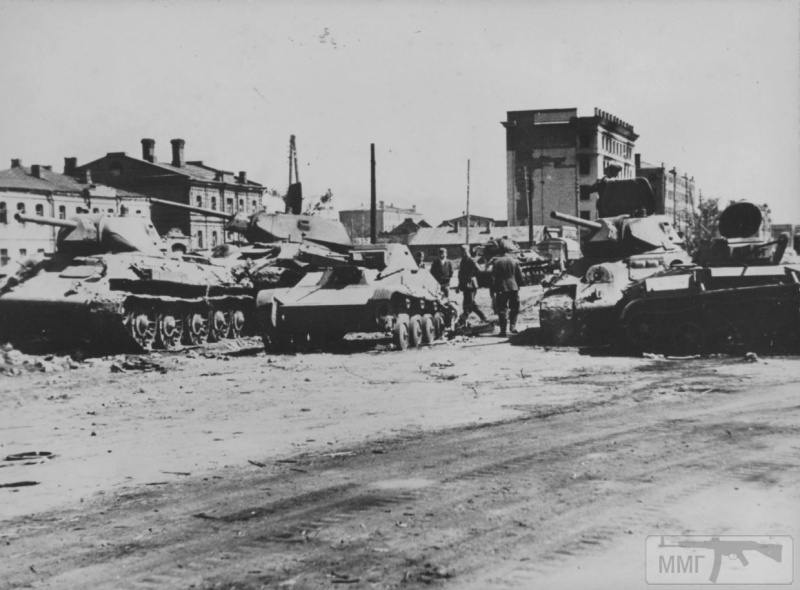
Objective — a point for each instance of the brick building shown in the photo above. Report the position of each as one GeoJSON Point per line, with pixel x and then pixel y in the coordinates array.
{"type": "Point", "coordinates": [38, 190]}
{"type": "Point", "coordinates": [388, 217]}
{"type": "Point", "coordinates": [188, 182]}
{"type": "Point", "coordinates": [673, 189]}
{"type": "Point", "coordinates": [558, 156]}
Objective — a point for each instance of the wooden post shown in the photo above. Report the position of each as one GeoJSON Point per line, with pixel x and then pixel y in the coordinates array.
{"type": "Point", "coordinates": [467, 236]}
{"type": "Point", "coordinates": [373, 203]}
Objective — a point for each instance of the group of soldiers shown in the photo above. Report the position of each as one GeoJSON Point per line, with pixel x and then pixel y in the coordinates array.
{"type": "Point", "coordinates": [506, 277]}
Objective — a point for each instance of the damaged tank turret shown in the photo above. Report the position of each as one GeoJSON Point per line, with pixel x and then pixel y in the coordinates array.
{"type": "Point", "coordinates": [109, 286]}
{"type": "Point", "coordinates": [625, 244]}
{"type": "Point", "coordinates": [380, 290]}
{"type": "Point", "coordinates": [744, 294]}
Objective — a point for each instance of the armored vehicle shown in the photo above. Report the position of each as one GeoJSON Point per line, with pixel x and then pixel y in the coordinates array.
{"type": "Point", "coordinates": [381, 290]}
{"type": "Point", "coordinates": [533, 265]}
{"type": "Point", "coordinates": [743, 295]}
{"type": "Point", "coordinates": [109, 286]}
{"type": "Point", "coordinates": [625, 244]}
{"type": "Point", "coordinates": [263, 227]}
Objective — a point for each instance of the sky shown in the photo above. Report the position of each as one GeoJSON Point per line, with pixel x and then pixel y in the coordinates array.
{"type": "Point", "coordinates": [712, 87]}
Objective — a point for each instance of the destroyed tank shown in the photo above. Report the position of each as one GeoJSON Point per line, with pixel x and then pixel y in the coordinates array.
{"type": "Point", "coordinates": [743, 295]}
{"type": "Point", "coordinates": [281, 247]}
{"type": "Point", "coordinates": [381, 290]}
{"type": "Point", "coordinates": [627, 243]}
{"type": "Point", "coordinates": [109, 287]}
{"type": "Point", "coordinates": [534, 266]}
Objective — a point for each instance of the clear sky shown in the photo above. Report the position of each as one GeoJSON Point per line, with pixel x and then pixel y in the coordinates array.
{"type": "Point", "coordinates": [712, 87]}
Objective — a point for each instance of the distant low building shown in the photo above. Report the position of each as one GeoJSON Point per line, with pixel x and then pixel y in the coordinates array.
{"type": "Point", "coordinates": [38, 191]}
{"type": "Point", "coordinates": [474, 221]}
{"type": "Point", "coordinates": [430, 240]}
{"type": "Point", "coordinates": [388, 217]}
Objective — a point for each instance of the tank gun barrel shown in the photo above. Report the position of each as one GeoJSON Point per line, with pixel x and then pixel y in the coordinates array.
{"type": "Point", "coordinates": [69, 223]}
{"type": "Point", "coordinates": [587, 223]}
{"type": "Point", "coordinates": [200, 210]}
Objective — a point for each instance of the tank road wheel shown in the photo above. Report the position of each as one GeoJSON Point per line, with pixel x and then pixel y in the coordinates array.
{"type": "Point", "coordinates": [688, 338]}
{"type": "Point", "coordinates": [438, 324]}
{"type": "Point", "coordinates": [415, 331]}
{"type": "Point", "coordinates": [170, 330]}
{"type": "Point", "coordinates": [641, 332]}
{"type": "Point", "coordinates": [218, 325]}
{"type": "Point", "coordinates": [237, 320]}
{"type": "Point", "coordinates": [142, 328]}
{"type": "Point", "coordinates": [428, 329]}
{"type": "Point", "coordinates": [728, 334]}
{"type": "Point", "coordinates": [400, 332]}
{"type": "Point", "coordinates": [195, 328]}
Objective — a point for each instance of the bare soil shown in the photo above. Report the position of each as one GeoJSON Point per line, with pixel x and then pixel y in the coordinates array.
{"type": "Point", "coordinates": [469, 464]}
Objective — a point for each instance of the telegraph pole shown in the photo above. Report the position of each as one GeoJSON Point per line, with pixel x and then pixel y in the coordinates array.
{"type": "Point", "coordinates": [529, 196]}
{"type": "Point", "coordinates": [467, 236]}
{"type": "Point", "coordinates": [373, 202]}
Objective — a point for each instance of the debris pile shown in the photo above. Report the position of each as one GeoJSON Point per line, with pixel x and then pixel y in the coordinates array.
{"type": "Point", "coordinates": [14, 362]}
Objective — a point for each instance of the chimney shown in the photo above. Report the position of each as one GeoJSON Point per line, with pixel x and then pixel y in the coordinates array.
{"type": "Point", "coordinates": [149, 149]}
{"type": "Point", "coordinates": [36, 170]}
{"type": "Point", "coordinates": [69, 166]}
{"type": "Point", "coordinates": [16, 163]}
{"type": "Point", "coordinates": [242, 177]}
{"type": "Point", "coordinates": [219, 175]}
{"type": "Point", "coordinates": [177, 152]}
{"type": "Point", "coordinates": [380, 204]}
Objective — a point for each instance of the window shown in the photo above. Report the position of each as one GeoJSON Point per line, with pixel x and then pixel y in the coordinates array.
{"type": "Point", "coordinates": [199, 200]}
{"type": "Point", "coordinates": [253, 203]}
{"type": "Point", "coordinates": [586, 214]}
{"type": "Point", "coordinates": [40, 210]}
{"type": "Point", "coordinates": [138, 212]}
{"type": "Point", "coordinates": [115, 169]}
{"type": "Point", "coordinates": [62, 212]}
{"type": "Point", "coordinates": [95, 210]}
{"type": "Point", "coordinates": [584, 166]}
{"type": "Point", "coordinates": [214, 203]}
{"type": "Point", "coordinates": [111, 211]}
{"type": "Point", "coordinates": [241, 204]}
{"type": "Point", "coordinates": [3, 212]}
{"type": "Point", "coordinates": [230, 205]}
{"type": "Point", "coordinates": [40, 251]}
{"type": "Point", "coordinates": [586, 192]}
{"type": "Point", "coordinates": [213, 239]}
{"type": "Point", "coordinates": [200, 239]}
{"type": "Point", "coordinates": [23, 251]}
{"type": "Point", "coordinates": [4, 257]}
{"type": "Point", "coordinates": [21, 208]}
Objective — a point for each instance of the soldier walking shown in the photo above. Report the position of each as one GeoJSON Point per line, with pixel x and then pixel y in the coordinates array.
{"type": "Point", "coordinates": [468, 284]}
{"type": "Point", "coordinates": [506, 279]}
{"type": "Point", "coordinates": [442, 271]}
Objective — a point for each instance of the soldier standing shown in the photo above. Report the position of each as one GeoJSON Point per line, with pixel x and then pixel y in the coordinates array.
{"type": "Point", "coordinates": [506, 278]}
{"type": "Point", "coordinates": [442, 271]}
{"type": "Point", "coordinates": [468, 284]}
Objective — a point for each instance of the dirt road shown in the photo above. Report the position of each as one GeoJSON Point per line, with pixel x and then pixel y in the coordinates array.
{"type": "Point", "coordinates": [473, 464]}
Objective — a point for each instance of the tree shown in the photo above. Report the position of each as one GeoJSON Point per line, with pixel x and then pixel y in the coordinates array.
{"type": "Point", "coordinates": [704, 226]}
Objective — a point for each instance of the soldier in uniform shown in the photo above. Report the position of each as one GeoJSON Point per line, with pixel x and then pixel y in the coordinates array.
{"type": "Point", "coordinates": [442, 271]}
{"type": "Point", "coordinates": [468, 284]}
{"type": "Point", "coordinates": [506, 279]}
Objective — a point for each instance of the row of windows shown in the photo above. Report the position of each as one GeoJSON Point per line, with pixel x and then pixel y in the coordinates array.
{"type": "Point", "coordinates": [617, 147]}
{"type": "Point", "coordinates": [200, 240]}
{"type": "Point", "coordinates": [200, 202]}
{"type": "Point", "coordinates": [39, 210]}
{"type": "Point", "coordinates": [5, 258]}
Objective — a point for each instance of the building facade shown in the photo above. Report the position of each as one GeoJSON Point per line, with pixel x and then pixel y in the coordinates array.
{"type": "Point", "coordinates": [554, 158]}
{"type": "Point", "coordinates": [388, 217]}
{"type": "Point", "coordinates": [674, 191]}
{"type": "Point", "coordinates": [186, 182]}
{"type": "Point", "coordinates": [38, 191]}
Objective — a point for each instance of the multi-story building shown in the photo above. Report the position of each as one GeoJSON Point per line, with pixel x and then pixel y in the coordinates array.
{"type": "Point", "coordinates": [187, 182]}
{"type": "Point", "coordinates": [388, 217]}
{"type": "Point", "coordinates": [38, 190]}
{"type": "Point", "coordinates": [554, 158]}
{"type": "Point", "coordinates": [674, 191]}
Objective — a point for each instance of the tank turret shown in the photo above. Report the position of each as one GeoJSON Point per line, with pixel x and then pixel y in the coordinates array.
{"type": "Point", "coordinates": [86, 234]}
{"type": "Point", "coordinates": [740, 241]}
{"type": "Point", "coordinates": [275, 227]}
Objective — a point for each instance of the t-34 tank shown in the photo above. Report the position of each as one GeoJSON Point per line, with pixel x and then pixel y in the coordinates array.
{"type": "Point", "coordinates": [109, 286]}
{"type": "Point", "coordinates": [625, 244]}
{"type": "Point", "coordinates": [380, 290]}
{"type": "Point", "coordinates": [743, 295]}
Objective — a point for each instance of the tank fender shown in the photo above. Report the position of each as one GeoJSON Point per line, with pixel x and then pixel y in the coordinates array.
{"type": "Point", "coordinates": [569, 289]}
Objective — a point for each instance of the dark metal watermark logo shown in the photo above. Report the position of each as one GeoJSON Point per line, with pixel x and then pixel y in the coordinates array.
{"type": "Point", "coordinates": [695, 559]}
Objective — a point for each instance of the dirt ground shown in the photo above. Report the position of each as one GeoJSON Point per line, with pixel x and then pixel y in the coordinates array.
{"type": "Point", "coordinates": [470, 464]}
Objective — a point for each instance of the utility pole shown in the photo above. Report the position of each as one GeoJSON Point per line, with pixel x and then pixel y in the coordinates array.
{"type": "Point", "coordinates": [529, 196]}
{"type": "Point", "coordinates": [467, 236]}
{"type": "Point", "coordinates": [373, 202]}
